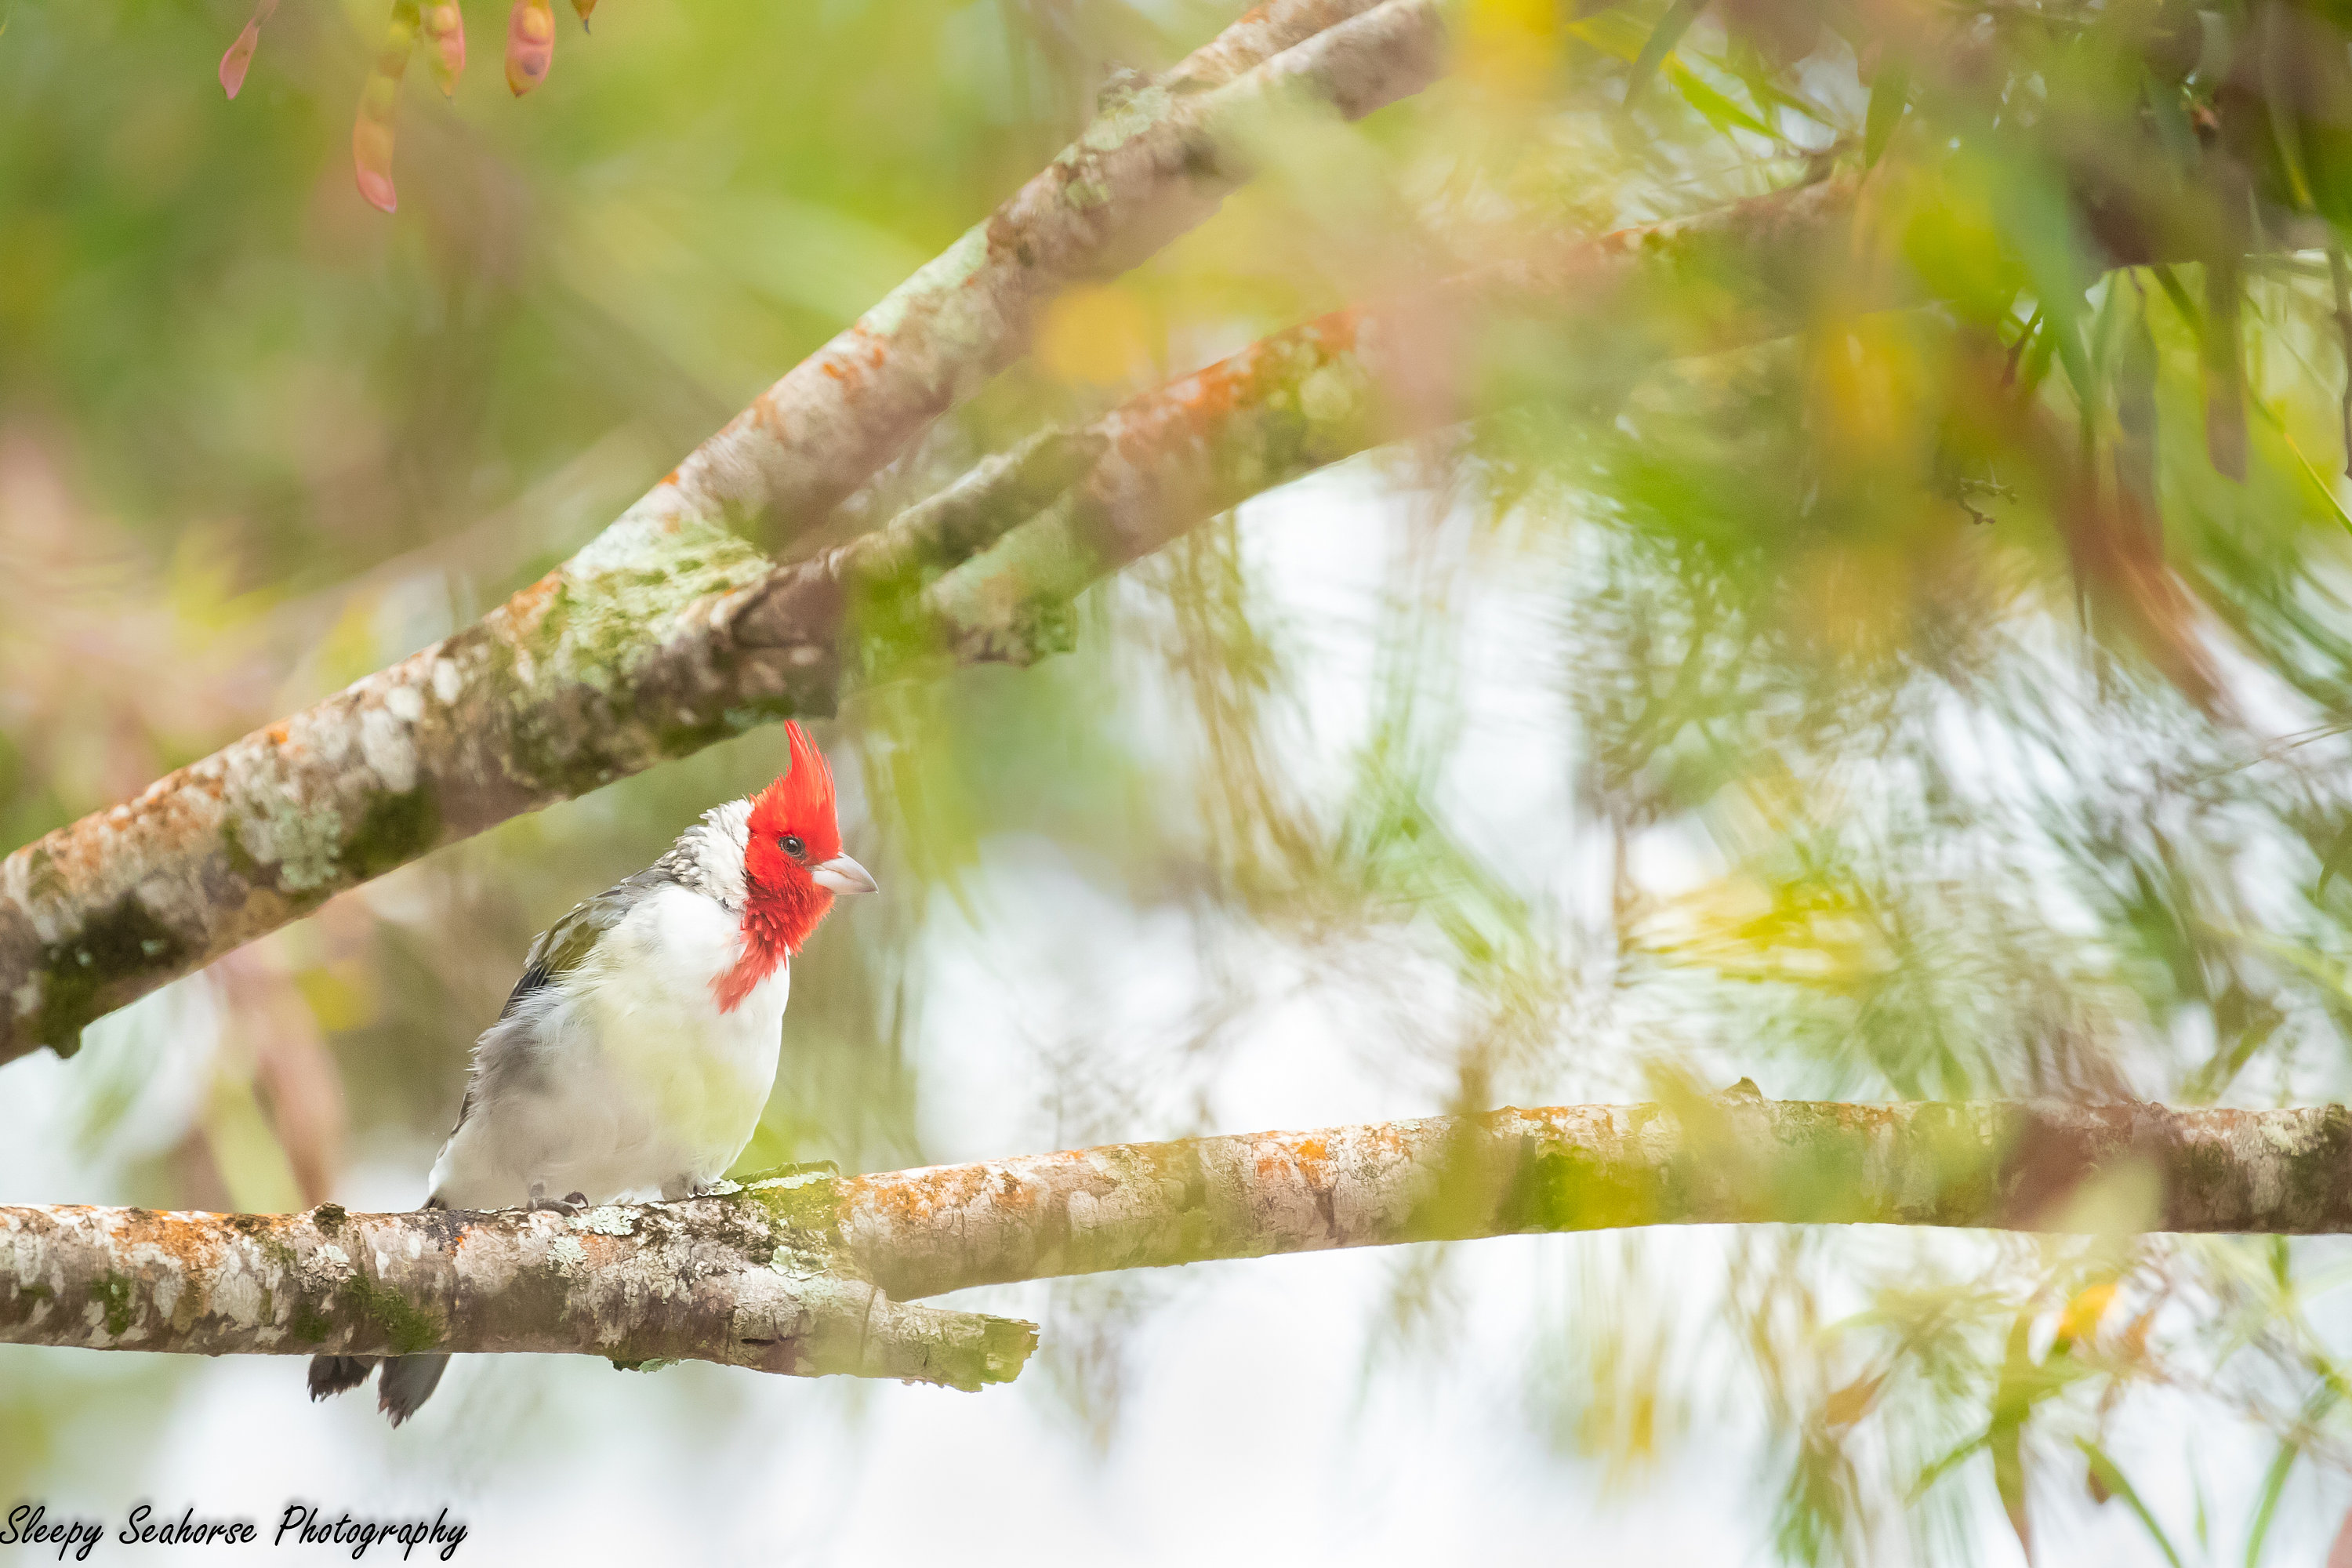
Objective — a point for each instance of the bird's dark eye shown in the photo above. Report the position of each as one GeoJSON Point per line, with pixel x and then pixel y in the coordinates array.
{"type": "Point", "coordinates": [793, 847]}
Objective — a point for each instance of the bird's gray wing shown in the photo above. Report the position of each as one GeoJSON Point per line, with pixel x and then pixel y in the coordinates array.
{"type": "Point", "coordinates": [563, 945]}
{"type": "Point", "coordinates": [561, 948]}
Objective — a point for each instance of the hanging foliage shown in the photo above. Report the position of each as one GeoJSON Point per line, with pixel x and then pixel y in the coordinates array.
{"type": "Point", "coordinates": [530, 48]}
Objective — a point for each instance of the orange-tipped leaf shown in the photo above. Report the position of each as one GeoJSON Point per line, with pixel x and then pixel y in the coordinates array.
{"type": "Point", "coordinates": [531, 43]}
{"type": "Point", "coordinates": [240, 53]}
{"type": "Point", "coordinates": [445, 29]}
{"type": "Point", "coordinates": [372, 131]}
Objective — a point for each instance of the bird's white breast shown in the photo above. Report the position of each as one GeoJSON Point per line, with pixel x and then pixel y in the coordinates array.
{"type": "Point", "coordinates": [645, 1085]}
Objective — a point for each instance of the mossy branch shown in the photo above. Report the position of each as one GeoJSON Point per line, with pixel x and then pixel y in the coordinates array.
{"type": "Point", "coordinates": [810, 1272]}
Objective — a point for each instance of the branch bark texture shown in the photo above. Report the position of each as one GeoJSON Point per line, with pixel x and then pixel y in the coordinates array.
{"type": "Point", "coordinates": [613, 661]}
{"type": "Point", "coordinates": [810, 1272]}
{"type": "Point", "coordinates": [707, 1281]}
{"type": "Point", "coordinates": [1721, 1160]}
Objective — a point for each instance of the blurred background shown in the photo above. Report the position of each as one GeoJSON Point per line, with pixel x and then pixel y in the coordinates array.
{"type": "Point", "coordinates": [1942, 701]}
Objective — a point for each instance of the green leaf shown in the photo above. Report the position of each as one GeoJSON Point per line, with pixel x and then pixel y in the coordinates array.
{"type": "Point", "coordinates": [1890, 95]}
{"type": "Point", "coordinates": [2043, 343]}
{"type": "Point", "coordinates": [2339, 855]}
{"type": "Point", "coordinates": [1718, 109]}
{"type": "Point", "coordinates": [2273, 1483]}
{"type": "Point", "coordinates": [2170, 283]}
{"type": "Point", "coordinates": [2320, 483]}
{"type": "Point", "coordinates": [1942, 1467]}
{"type": "Point", "coordinates": [1663, 39]}
{"type": "Point", "coordinates": [2112, 1479]}
{"type": "Point", "coordinates": [2275, 1480]}
{"type": "Point", "coordinates": [2063, 332]}
{"type": "Point", "coordinates": [1612, 32]}
{"type": "Point", "coordinates": [2014, 1399]}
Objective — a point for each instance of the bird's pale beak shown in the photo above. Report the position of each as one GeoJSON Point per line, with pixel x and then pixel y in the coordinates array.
{"type": "Point", "coordinates": [842, 875]}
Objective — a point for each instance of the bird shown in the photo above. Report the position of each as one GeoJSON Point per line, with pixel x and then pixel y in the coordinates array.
{"type": "Point", "coordinates": [638, 1048]}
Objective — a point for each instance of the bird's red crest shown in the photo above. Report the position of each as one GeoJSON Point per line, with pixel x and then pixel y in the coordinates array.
{"type": "Point", "coordinates": [792, 828]}
{"type": "Point", "coordinates": [800, 803]}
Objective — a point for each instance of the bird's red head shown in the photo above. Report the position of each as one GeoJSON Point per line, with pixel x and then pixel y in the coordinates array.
{"type": "Point", "coordinates": [793, 868]}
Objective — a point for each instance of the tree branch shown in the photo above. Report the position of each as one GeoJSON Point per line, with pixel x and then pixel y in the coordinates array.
{"type": "Point", "coordinates": [705, 1280]}
{"type": "Point", "coordinates": [1712, 1160]}
{"type": "Point", "coordinates": [808, 1272]}
{"type": "Point", "coordinates": [611, 662]}
{"type": "Point", "coordinates": [1362, 377]}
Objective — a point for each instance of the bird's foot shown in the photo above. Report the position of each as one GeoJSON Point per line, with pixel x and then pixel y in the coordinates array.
{"type": "Point", "coordinates": [567, 1206]}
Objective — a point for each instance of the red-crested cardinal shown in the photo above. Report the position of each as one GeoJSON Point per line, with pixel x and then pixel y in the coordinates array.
{"type": "Point", "coordinates": [640, 1044]}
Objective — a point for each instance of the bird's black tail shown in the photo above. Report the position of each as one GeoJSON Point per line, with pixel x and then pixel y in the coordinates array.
{"type": "Point", "coordinates": [408, 1381]}
{"type": "Point", "coordinates": [335, 1373]}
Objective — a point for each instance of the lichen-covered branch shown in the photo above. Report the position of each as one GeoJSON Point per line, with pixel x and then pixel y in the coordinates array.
{"type": "Point", "coordinates": [1158, 160]}
{"type": "Point", "coordinates": [1717, 1160]}
{"type": "Point", "coordinates": [706, 1281]}
{"type": "Point", "coordinates": [974, 570]}
{"type": "Point", "coordinates": [613, 662]}
{"type": "Point", "coordinates": [808, 1272]}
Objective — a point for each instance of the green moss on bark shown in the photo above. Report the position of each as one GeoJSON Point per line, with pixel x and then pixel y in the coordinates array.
{"type": "Point", "coordinates": [394, 830]}
{"type": "Point", "coordinates": [1569, 1189]}
{"type": "Point", "coordinates": [240, 859]}
{"type": "Point", "coordinates": [407, 1327]}
{"type": "Point", "coordinates": [800, 1197]}
{"type": "Point", "coordinates": [115, 946]}
{"type": "Point", "coordinates": [113, 1295]}
{"type": "Point", "coordinates": [307, 1325]}
{"type": "Point", "coordinates": [2319, 1174]}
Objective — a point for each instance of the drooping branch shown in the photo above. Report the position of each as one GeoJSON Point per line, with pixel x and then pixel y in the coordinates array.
{"type": "Point", "coordinates": [808, 1272]}
{"type": "Point", "coordinates": [610, 663]}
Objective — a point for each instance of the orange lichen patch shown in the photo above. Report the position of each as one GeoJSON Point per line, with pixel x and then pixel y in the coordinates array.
{"type": "Point", "coordinates": [1391, 1140]}
{"type": "Point", "coordinates": [525, 606]}
{"type": "Point", "coordinates": [1204, 404]}
{"type": "Point", "coordinates": [915, 1201]}
{"type": "Point", "coordinates": [1273, 1164]}
{"type": "Point", "coordinates": [1302, 1156]}
{"type": "Point", "coordinates": [1336, 332]}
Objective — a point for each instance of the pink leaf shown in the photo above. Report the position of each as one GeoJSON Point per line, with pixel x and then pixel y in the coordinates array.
{"type": "Point", "coordinates": [240, 53]}
{"type": "Point", "coordinates": [380, 104]}
{"type": "Point", "coordinates": [445, 25]}
{"type": "Point", "coordinates": [531, 43]}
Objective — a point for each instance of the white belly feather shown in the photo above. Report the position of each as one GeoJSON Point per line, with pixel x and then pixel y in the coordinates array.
{"type": "Point", "coordinates": [636, 1083]}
